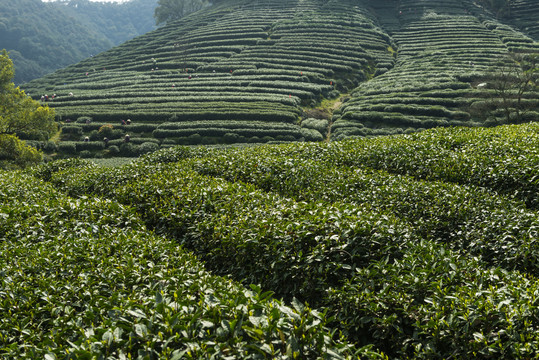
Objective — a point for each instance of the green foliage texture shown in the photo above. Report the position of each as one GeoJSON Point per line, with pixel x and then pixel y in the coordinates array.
{"type": "Point", "coordinates": [415, 246]}
{"type": "Point", "coordinates": [19, 114]}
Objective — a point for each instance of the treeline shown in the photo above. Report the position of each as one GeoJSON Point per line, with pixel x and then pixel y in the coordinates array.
{"type": "Point", "coordinates": [42, 37]}
{"type": "Point", "coordinates": [502, 8]}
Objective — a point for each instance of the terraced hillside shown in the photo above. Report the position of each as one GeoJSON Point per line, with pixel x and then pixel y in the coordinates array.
{"type": "Point", "coordinates": [239, 71]}
{"type": "Point", "coordinates": [255, 70]}
{"type": "Point", "coordinates": [442, 47]}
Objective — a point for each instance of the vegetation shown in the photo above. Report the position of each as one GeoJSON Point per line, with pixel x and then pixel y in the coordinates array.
{"type": "Point", "coordinates": [108, 260]}
{"type": "Point", "coordinates": [84, 278]}
{"type": "Point", "coordinates": [445, 49]}
{"type": "Point", "coordinates": [501, 8]}
{"type": "Point", "coordinates": [43, 37]}
{"type": "Point", "coordinates": [20, 116]}
{"type": "Point", "coordinates": [510, 89]}
{"type": "Point", "coordinates": [211, 72]}
{"type": "Point", "coordinates": [170, 10]}
{"type": "Point", "coordinates": [251, 71]}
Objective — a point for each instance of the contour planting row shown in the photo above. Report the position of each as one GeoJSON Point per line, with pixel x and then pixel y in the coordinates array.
{"type": "Point", "coordinates": [461, 217]}
{"type": "Point", "coordinates": [202, 65]}
{"type": "Point", "coordinates": [331, 255]}
{"type": "Point", "coordinates": [503, 159]}
{"type": "Point", "coordinates": [442, 48]}
{"type": "Point", "coordinates": [525, 14]}
{"type": "Point", "coordinates": [84, 278]}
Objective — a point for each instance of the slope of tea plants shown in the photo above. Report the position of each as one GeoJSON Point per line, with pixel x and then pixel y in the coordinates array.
{"type": "Point", "coordinates": [238, 71]}
{"type": "Point", "coordinates": [442, 47]}
{"type": "Point", "coordinates": [258, 71]}
{"type": "Point", "coordinates": [84, 278]}
{"type": "Point", "coordinates": [413, 264]}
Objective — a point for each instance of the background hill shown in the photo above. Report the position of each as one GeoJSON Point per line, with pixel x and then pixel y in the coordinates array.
{"type": "Point", "coordinates": [42, 37]}
{"type": "Point", "coordinates": [259, 71]}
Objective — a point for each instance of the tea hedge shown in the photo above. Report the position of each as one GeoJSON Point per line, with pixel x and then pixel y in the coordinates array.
{"type": "Point", "coordinates": [503, 159]}
{"type": "Point", "coordinates": [236, 60]}
{"type": "Point", "coordinates": [417, 269]}
{"type": "Point", "coordinates": [440, 45]}
{"type": "Point", "coordinates": [462, 217]}
{"type": "Point", "coordinates": [84, 278]}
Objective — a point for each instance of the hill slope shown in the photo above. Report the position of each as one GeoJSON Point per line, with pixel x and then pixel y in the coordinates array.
{"type": "Point", "coordinates": [43, 37]}
{"type": "Point", "coordinates": [252, 70]}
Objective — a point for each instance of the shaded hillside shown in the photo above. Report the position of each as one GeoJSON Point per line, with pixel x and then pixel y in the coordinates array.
{"type": "Point", "coordinates": [42, 37]}
{"type": "Point", "coordinates": [253, 70]}
{"type": "Point", "coordinates": [525, 15]}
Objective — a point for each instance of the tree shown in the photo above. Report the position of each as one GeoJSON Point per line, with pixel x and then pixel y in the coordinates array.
{"type": "Point", "coordinates": [19, 114]}
{"type": "Point", "coordinates": [170, 10]}
{"type": "Point", "coordinates": [509, 89]}
{"type": "Point", "coordinates": [502, 8]}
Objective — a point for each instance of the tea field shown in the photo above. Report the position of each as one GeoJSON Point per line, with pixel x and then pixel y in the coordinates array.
{"type": "Point", "coordinates": [443, 48]}
{"type": "Point", "coordinates": [259, 71]}
{"type": "Point", "coordinates": [414, 246]}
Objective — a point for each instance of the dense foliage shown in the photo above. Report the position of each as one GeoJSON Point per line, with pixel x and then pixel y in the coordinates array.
{"type": "Point", "coordinates": [170, 10]}
{"type": "Point", "coordinates": [20, 116]}
{"type": "Point", "coordinates": [84, 278]}
{"type": "Point", "coordinates": [253, 71]}
{"type": "Point", "coordinates": [43, 37]}
{"type": "Point", "coordinates": [415, 246]}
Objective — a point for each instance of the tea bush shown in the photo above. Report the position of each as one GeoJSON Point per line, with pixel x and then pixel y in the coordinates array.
{"type": "Point", "coordinates": [84, 278]}
{"type": "Point", "coordinates": [414, 268]}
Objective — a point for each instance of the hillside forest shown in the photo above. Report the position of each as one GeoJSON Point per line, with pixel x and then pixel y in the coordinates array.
{"type": "Point", "coordinates": [45, 36]}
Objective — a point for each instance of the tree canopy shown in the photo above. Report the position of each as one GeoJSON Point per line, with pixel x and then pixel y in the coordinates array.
{"type": "Point", "coordinates": [170, 10]}
{"type": "Point", "coordinates": [19, 114]}
{"type": "Point", "coordinates": [44, 36]}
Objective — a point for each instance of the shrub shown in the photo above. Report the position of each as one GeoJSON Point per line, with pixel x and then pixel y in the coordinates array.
{"type": "Point", "coordinates": [147, 147]}
{"type": "Point", "coordinates": [311, 135]}
{"type": "Point", "coordinates": [84, 119]}
{"type": "Point", "coordinates": [113, 150]}
{"type": "Point", "coordinates": [90, 145]}
{"type": "Point", "coordinates": [129, 149]}
{"type": "Point", "coordinates": [67, 147]}
{"type": "Point", "coordinates": [85, 154]}
{"type": "Point", "coordinates": [231, 138]}
{"type": "Point", "coordinates": [94, 135]}
{"type": "Point", "coordinates": [321, 125]}
{"type": "Point", "coordinates": [106, 131]}
{"type": "Point", "coordinates": [71, 129]}
{"type": "Point", "coordinates": [15, 153]}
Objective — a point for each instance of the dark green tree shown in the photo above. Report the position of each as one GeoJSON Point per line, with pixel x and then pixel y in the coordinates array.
{"type": "Point", "coordinates": [19, 114]}
{"type": "Point", "coordinates": [170, 10]}
{"type": "Point", "coordinates": [510, 90]}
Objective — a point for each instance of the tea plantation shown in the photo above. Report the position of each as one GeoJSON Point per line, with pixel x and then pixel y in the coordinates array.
{"type": "Point", "coordinates": [259, 71]}
{"type": "Point", "coordinates": [443, 48]}
{"type": "Point", "coordinates": [415, 246]}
